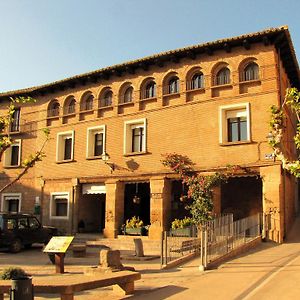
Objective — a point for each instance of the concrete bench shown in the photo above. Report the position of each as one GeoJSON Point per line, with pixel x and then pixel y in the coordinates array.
{"type": "Point", "coordinates": [187, 245]}
{"type": "Point", "coordinates": [79, 250]}
{"type": "Point", "coordinates": [68, 284]}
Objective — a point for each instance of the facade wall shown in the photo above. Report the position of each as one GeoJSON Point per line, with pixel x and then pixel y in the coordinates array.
{"type": "Point", "coordinates": [187, 122]}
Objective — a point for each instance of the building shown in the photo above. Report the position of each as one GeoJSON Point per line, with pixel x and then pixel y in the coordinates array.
{"type": "Point", "coordinates": [110, 127]}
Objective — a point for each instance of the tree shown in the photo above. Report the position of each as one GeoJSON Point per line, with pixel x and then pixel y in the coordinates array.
{"type": "Point", "coordinates": [6, 139]}
{"type": "Point", "coordinates": [292, 102]}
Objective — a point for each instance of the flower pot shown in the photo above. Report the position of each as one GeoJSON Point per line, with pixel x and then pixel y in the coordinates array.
{"type": "Point", "coordinates": [134, 231]}
{"type": "Point", "coordinates": [181, 232]}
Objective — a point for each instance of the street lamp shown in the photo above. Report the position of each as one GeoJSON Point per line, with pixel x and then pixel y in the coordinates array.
{"type": "Point", "coordinates": [105, 157]}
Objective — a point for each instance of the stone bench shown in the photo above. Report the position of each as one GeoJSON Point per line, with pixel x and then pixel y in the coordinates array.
{"type": "Point", "coordinates": [79, 250]}
{"type": "Point", "coordinates": [68, 284]}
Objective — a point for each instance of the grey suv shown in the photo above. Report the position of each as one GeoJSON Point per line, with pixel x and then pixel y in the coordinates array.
{"type": "Point", "coordinates": [18, 230]}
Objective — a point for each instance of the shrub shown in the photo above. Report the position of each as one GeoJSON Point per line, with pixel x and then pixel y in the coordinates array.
{"type": "Point", "coordinates": [134, 222]}
{"type": "Point", "coordinates": [13, 273]}
{"type": "Point", "coordinates": [183, 223]}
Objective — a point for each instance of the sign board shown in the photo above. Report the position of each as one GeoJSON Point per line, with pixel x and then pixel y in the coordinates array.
{"type": "Point", "coordinates": [59, 244]}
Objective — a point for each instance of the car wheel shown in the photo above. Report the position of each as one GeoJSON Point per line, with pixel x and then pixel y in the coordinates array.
{"type": "Point", "coordinates": [16, 246]}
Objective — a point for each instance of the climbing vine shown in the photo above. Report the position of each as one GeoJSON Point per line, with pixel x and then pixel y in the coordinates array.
{"type": "Point", "coordinates": [292, 100]}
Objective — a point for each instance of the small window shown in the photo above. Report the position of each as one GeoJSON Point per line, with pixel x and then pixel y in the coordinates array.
{"type": "Point", "coordinates": [70, 107]}
{"type": "Point", "coordinates": [135, 136]}
{"type": "Point", "coordinates": [65, 145]}
{"type": "Point", "coordinates": [53, 109]}
{"type": "Point", "coordinates": [95, 141]}
{"type": "Point", "coordinates": [11, 202]}
{"type": "Point", "coordinates": [197, 81]}
{"type": "Point", "coordinates": [15, 123]}
{"type": "Point", "coordinates": [128, 95]}
{"type": "Point", "coordinates": [173, 86]}
{"type": "Point", "coordinates": [150, 90]}
{"type": "Point", "coordinates": [235, 123]}
{"type": "Point", "coordinates": [107, 99]}
{"type": "Point", "coordinates": [87, 103]}
{"type": "Point", "coordinates": [59, 205]}
{"type": "Point", "coordinates": [223, 76]}
{"type": "Point", "coordinates": [250, 72]}
{"type": "Point", "coordinates": [12, 156]}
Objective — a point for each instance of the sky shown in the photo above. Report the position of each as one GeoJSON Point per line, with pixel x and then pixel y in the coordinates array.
{"type": "Point", "coordinates": [47, 40]}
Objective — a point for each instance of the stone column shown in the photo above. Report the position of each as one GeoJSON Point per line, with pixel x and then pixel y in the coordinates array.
{"type": "Point", "coordinates": [273, 206]}
{"type": "Point", "coordinates": [114, 210]}
{"type": "Point", "coordinates": [74, 208]}
{"type": "Point", "coordinates": [160, 205]}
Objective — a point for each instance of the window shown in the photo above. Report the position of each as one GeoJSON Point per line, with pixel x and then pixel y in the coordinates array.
{"type": "Point", "coordinates": [87, 103]}
{"type": "Point", "coordinates": [173, 86]}
{"type": "Point", "coordinates": [15, 123]}
{"type": "Point", "coordinates": [65, 145]}
{"type": "Point", "coordinates": [135, 136]}
{"type": "Point", "coordinates": [11, 202]}
{"type": "Point", "coordinates": [151, 90]}
{"type": "Point", "coordinates": [223, 76]}
{"type": "Point", "coordinates": [70, 107]}
{"type": "Point", "coordinates": [250, 72]}
{"type": "Point", "coordinates": [12, 156]}
{"type": "Point", "coordinates": [128, 95]}
{"type": "Point", "coordinates": [197, 81]}
{"type": "Point", "coordinates": [235, 123]}
{"type": "Point", "coordinates": [59, 205]}
{"type": "Point", "coordinates": [53, 109]}
{"type": "Point", "coordinates": [95, 141]}
{"type": "Point", "coordinates": [107, 99]}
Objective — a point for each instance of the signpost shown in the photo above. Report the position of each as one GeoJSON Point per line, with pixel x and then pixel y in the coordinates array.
{"type": "Point", "coordinates": [58, 245]}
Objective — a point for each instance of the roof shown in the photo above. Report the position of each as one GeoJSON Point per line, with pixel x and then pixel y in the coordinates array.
{"type": "Point", "coordinates": [279, 37]}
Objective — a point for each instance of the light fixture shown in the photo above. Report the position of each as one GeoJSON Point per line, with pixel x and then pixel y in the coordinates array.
{"type": "Point", "coordinates": [136, 199]}
{"type": "Point", "coordinates": [105, 157]}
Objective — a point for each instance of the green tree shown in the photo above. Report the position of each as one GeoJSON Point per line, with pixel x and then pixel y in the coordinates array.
{"type": "Point", "coordinates": [292, 102]}
{"type": "Point", "coordinates": [6, 140]}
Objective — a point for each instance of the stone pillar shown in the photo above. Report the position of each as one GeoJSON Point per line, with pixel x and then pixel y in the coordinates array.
{"type": "Point", "coordinates": [273, 206]}
{"type": "Point", "coordinates": [114, 210]}
{"type": "Point", "coordinates": [217, 200]}
{"type": "Point", "coordinates": [160, 205]}
{"type": "Point", "coordinates": [74, 208]}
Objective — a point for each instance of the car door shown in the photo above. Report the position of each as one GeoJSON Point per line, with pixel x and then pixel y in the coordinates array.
{"type": "Point", "coordinates": [37, 232]}
{"type": "Point", "coordinates": [24, 231]}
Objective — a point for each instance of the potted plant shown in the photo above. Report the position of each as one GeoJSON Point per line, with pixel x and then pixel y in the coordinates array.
{"type": "Point", "coordinates": [182, 227]}
{"type": "Point", "coordinates": [134, 226]}
{"type": "Point", "coordinates": [21, 287]}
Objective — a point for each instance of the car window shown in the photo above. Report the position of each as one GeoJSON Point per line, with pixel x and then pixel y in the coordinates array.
{"type": "Point", "coordinates": [11, 224]}
{"type": "Point", "coordinates": [22, 223]}
{"type": "Point", "coordinates": [33, 223]}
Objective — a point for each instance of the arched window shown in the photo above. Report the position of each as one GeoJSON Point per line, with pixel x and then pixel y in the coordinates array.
{"type": "Point", "coordinates": [53, 109]}
{"type": "Point", "coordinates": [87, 102]}
{"type": "Point", "coordinates": [150, 90]}
{"type": "Point", "coordinates": [250, 72]}
{"type": "Point", "coordinates": [197, 81]}
{"type": "Point", "coordinates": [128, 95]}
{"type": "Point", "coordinates": [107, 98]}
{"type": "Point", "coordinates": [223, 76]}
{"type": "Point", "coordinates": [71, 106]}
{"type": "Point", "coordinates": [173, 85]}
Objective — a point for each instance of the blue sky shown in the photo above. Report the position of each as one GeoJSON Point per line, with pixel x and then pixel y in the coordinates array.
{"type": "Point", "coordinates": [47, 40]}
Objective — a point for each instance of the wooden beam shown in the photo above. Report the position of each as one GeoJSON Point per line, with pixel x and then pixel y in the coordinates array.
{"type": "Point", "coordinates": [208, 51]}
{"type": "Point", "coordinates": [246, 44]}
{"type": "Point", "coordinates": [266, 41]}
{"type": "Point", "coordinates": [227, 47]}
{"type": "Point", "coordinates": [175, 59]}
{"type": "Point", "coordinates": [159, 62]}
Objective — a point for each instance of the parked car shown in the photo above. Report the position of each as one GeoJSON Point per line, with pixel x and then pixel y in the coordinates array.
{"type": "Point", "coordinates": [19, 230]}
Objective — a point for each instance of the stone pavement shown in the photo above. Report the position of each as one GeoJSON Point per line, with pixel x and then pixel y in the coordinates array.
{"type": "Point", "coordinates": [269, 271]}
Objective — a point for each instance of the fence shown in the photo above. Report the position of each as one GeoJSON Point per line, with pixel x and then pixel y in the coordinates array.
{"type": "Point", "coordinates": [211, 240]}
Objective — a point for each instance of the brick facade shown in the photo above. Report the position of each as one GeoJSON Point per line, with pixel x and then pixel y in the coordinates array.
{"type": "Point", "coordinates": [188, 122]}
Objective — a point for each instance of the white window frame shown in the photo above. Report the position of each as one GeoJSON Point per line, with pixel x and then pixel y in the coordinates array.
{"type": "Point", "coordinates": [90, 145]}
{"type": "Point", "coordinates": [128, 126]}
{"type": "Point", "coordinates": [55, 195]}
{"type": "Point", "coordinates": [224, 112]}
{"type": "Point", "coordinates": [8, 154]}
{"type": "Point", "coordinates": [60, 144]}
{"type": "Point", "coordinates": [10, 195]}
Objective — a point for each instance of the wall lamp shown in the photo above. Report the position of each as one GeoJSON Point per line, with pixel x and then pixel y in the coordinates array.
{"type": "Point", "coordinates": [105, 157]}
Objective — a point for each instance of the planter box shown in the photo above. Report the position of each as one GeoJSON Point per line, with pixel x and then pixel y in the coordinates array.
{"type": "Point", "coordinates": [135, 231]}
{"type": "Point", "coordinates": [181, 232]}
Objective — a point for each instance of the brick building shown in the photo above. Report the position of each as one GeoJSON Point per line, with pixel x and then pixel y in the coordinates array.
{"type": "Point", "coordinates": [109, 128]}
